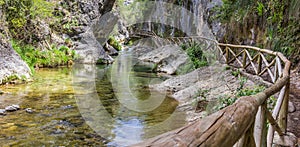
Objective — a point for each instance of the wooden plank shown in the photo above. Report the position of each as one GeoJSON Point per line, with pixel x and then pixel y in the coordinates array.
{"type": "Point", "coordinates": [227, 54]}
{"type": "Point", "coordinates": [251, 60]}
{"type": "Point", "coordinates": [282, 119]}
{"type": "Point", "coordinates": [235, 58]}
{"type": "Point", "coordinates": [274, 123]}
{"type": "Point", "coordinates": [247, 140]}
{"type": "Point", "coordinates": [268, 65]}
{"type": "Point", "coordinates": [259, 62]}
{"type": "Point", "coordinates": [260, 132]}
{"type": "Point", "coordinates": [279, 67]}
{"type": "Point", "coordinates": [252, 48]}
{"type": "Point", "coordinates": [275, 115]}
{"type": "Point", "coordinates": [244, 58]}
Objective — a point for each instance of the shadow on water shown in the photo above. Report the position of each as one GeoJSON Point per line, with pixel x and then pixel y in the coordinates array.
{"type": "Point", "coordinates": [81, 106]}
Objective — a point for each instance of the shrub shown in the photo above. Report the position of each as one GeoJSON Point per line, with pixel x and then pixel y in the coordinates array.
{"type": "Point", "coordinates": [196, 54]}
{"type": "Point", "coordinates": [44, 58]}
{"type": "Point", "coordinates": [20, 15]}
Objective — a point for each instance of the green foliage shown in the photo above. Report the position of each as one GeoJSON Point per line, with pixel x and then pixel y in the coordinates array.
{"type": "Point", "coordinates": [275, 22]}
{"type": "Point", "coordinates": [235, 73]}
{"type": "Point", "coordinates": [41, 9]}
{"type": "Point", "coordinates": [233, 9]}
{"type": "Point", "coordinates": [196, 54]}
{"type": "Point", "coordinates": [250, 91]}
{"type": "Point", "coordinates": [242, 83]}
{"type": "Point", "coordinates": [69, 25]}
{"type": "Point", "coordinates": [114, 43]}
{"type": "Point", "coordinates": [260, 8]}
{"type": "Point", "coordinates": [20, 15]}
{"type": "Point", "coordinates": [44, 58]}
{"type": "Point", "coordinates": [224, 101]}
{"type": "Point", "coordinates": [271, 102]}
{"type": "Point", "coordinates": [200, 95]}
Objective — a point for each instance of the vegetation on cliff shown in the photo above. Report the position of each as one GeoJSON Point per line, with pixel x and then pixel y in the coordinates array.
{"type": "Point", "coordinates": [28, 24]}
{"type": "Point", "coordinates": [268, 24]}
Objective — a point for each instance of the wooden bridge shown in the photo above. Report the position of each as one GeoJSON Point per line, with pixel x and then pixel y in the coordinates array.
{"type": "Point", "coordinates": [248, 122]}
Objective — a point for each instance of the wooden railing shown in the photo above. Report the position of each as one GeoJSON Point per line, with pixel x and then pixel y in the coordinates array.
{"type": "Point", "coordinates": [248, 122]}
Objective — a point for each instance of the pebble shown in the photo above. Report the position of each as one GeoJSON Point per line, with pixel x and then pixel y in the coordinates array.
{"type": "Point", "coordinates": [12, 108]}
{"type": "Point", "coordinates": [1, 92]}
{"type": "Point", "coordinates": [67, 107]}
{"type": "Point", "coordinates": [29, 110]}
{"type": "Point", "coordinates": [2, 112]}
{"type": "Point", "coordinates": [291, 108]}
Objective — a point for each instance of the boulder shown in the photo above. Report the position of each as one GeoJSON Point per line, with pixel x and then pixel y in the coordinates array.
{"type": "Point", "coordinates": [111, 50]}
{"type": "Point", "coordinates": [170, 59]}
{"type": "Point", "coordinates": [89, 50]}
{"type": "Point", "coordinates": [11, 64]}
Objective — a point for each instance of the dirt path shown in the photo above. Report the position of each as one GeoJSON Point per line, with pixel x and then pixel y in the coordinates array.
{"type": "Point", "coordinates": [294, 117]}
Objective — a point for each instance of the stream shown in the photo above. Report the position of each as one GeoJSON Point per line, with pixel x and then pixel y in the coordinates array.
{"type": "Point", "coordinates": [93, 105]}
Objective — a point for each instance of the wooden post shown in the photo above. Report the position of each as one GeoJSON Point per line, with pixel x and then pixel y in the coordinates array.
{"type": "Point", "coordinates": [247, 140]}
{"type": "Point", "coordinates": [244, 58]}
{"type": "Point", "coordinates": [282, 119]}
{"type": "Point", "coordinates": [260, 128]}
{"type": "Point", "coordinates": [227, 54]}
{"type": "Point", "coordinates": [259, 63]}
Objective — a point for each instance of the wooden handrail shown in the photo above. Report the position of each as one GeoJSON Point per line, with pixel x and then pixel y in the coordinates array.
{"type": "Point", "coordinates": [233, 123]}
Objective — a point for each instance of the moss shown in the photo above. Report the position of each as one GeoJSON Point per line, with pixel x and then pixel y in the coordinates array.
{"type": "Point", "coordinates": [114, 43]}
{"type": "Point", "coordinates": [100, 61]}
{"type": "Point", "coordinates": [18, 79]}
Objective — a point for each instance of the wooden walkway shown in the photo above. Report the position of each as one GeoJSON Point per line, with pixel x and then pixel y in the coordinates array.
{"type": "Point", "coordinates": [249, 121]}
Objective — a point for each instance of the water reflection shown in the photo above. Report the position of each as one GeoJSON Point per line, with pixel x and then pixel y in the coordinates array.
{"type": "Point", "coordinates": [107, 105]}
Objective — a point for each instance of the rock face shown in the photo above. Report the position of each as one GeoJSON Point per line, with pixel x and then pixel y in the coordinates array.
{"type": "Point", "coordinates": [84, 13]}
{"type": "Point", "coordinates": [89, 49]}
{"type": "Point", "coordinates": [82, 18]}
{"type": "Point", "coordinates": [11, 64]}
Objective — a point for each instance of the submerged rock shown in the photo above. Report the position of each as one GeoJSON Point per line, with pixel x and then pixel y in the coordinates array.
{"type": "Point", "coordinates": [2, 112]}
{"type": "Point", "coordinates": [12, 108]}
{"type": "Point", "coordinates": [67, 107]}
{"type": "Point", "coordinates": [28, 110]}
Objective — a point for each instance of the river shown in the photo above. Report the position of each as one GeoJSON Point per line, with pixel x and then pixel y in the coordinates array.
{"type": "Point", "coordinates": [94, 105]}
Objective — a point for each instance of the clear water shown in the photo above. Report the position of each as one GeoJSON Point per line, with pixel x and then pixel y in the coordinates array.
{"type": "Point", "coordinates": [88, 105]}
